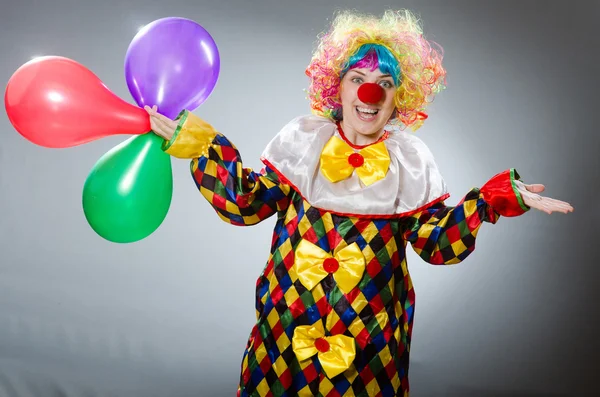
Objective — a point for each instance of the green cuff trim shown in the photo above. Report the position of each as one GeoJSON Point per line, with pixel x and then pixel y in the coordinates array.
{"type": "Point", "coordinates": [182, 117]}
{"type": "Point", "coordinates": [514, 175]}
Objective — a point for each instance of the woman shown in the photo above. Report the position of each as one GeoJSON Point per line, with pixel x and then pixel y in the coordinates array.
{"type": "Point", "coordinates": [350, 188]}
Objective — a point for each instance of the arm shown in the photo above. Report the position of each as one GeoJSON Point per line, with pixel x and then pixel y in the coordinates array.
{"type": "Point", "coordinates": [446, 235]}
{"type": "Point", "coordinates": [239, 195]}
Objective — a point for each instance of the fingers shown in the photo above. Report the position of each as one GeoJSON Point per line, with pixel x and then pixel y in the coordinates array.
{"type": "Point", "coordinates": [167, 130]}
{"type": "Point", "coordinates": [160, 124]}
{"type": "Point", "coordinates": [161, 117]}
{"type": "Point", "coordinates": [546, 204]}
{"type": "Point", "coordinates": [151, 110]}
{"type": "Point", "coordinates": [562, 209]}
{"type": "Point", "coordinates": [535, 188]}
{"type": "Point", "coordinates": [557, 204]}
{"type": "Point", "coordinates": [542, 207]}
{"type": "Point", "coordinates": [166, 121]}
{"type": "Point", "coordinates": [157, 128]}
{"type": "Point", "coordinates": [549, 205]}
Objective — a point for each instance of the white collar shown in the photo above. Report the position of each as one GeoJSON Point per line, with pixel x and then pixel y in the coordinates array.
{"type": "Point", "coordinates": [413, 181]}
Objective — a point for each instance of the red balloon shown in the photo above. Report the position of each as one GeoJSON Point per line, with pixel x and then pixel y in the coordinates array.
{"type": "Point", "coordinates": [56, 102]}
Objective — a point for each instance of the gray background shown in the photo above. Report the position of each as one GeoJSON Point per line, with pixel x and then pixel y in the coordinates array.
{"type": "Point", "coordinates": [170, 315]}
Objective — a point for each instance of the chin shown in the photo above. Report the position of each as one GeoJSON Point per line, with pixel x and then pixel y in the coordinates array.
{"type": "Point", "coordinates": [370, 129]}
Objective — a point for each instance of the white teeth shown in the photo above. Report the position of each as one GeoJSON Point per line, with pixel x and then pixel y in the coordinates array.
{"type": "Point", "coordinates": [365, 110]}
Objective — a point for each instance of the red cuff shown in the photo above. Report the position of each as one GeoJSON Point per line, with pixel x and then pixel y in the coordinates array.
{"type": "Point", "coordinates": [502, 195]}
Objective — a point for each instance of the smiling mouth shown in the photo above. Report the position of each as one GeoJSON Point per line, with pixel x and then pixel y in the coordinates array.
{"type": "Point", "coordinates": [366, 114]}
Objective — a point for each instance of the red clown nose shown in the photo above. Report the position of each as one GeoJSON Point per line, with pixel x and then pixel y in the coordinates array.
{"type": "Point", "coordinates": [370, 93]}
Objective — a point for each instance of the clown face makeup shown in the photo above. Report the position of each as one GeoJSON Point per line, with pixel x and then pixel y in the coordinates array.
{"type": "Point", "coordinates": [367, 98]}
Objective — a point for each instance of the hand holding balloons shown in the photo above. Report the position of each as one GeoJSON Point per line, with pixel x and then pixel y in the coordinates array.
{"type": "Point", "coordinates": [160, 124]}
{"type": "Point", "coordinates": [56, 102]}
{"type": "Point", "coordinates": [172, 63]}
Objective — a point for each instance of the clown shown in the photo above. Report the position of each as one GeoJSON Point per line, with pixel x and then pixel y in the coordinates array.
{"type": "Point", "coordinates": [351, 188]}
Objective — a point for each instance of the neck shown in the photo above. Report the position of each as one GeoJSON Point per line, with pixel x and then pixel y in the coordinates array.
{"type": "Point", "coordinates": [359, 139]}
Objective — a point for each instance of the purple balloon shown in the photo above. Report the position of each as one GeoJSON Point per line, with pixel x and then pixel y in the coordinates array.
{"type": "Point", "coordinates": [172, 63]}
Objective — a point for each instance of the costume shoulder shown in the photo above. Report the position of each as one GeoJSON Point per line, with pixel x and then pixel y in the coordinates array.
{"type": "Point", "coordinates": [413, 153]}
{"type": "Point", "coordinates": [300, 137]}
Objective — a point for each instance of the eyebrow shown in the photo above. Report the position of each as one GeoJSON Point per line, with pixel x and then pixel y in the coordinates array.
{"type": "Point", "coordinates": [362, 74]}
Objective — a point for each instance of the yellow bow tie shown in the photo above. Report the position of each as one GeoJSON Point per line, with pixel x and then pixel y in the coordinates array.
{"type": "Point", "coordinates": [313, 264]}
{"type": "Point", "coordinates": [339, 160]}
{"type": "Point", "coordinates": [335, 353]}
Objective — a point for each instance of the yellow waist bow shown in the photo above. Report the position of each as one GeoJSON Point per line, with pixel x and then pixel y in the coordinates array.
{"type": "Point", "coordinates": [339, 160]}
{"type": "Point", "coordinates": [335, 353]}
{"type": "Point", "coordinates": [313, 264]}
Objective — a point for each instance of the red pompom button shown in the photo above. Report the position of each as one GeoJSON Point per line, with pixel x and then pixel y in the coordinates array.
{"type": "Point", "coordinates": [330, 265]}
{"type": "Point", "coordinates": [322, 345]}
{"type": "Point", "coordinates": [370, 92]}
{"type": "Point", "coordinates": [356, 160]}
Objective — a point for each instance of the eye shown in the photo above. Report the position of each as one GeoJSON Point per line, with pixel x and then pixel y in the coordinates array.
{"type": "Point", "coordinates": [386, 84]}
{"type": "Point", "coordinates": [357, 80]}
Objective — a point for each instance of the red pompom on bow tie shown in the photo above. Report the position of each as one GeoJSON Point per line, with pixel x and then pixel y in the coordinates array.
{"type": "Point", "coordinates": [370, 93]}
{"type": "Point", "coordinates": [322, 345]}
{"type": "Point", "coordinates": [356, 160]}
{"type": "Point", "coordinates": [331, 265]}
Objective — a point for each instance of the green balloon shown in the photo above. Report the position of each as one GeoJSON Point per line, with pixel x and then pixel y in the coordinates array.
{"type": "Point", "coordinates": [127, 194]}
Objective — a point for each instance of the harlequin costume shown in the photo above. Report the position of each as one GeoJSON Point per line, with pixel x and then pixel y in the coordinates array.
{"type": "Point", "coordinates": [335, 301]}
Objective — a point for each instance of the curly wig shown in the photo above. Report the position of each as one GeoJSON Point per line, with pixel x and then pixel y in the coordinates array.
{"type": "Point", "coordinates": [397, 33]}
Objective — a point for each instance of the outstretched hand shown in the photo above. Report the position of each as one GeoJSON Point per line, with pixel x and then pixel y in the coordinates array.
{"type": "Point", "coordinates": [161, 125]}
{"type": "Point", "coordinates": [532, 199]}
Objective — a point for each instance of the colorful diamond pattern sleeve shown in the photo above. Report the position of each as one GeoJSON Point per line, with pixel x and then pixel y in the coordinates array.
{"type": "Point", "coordinates": [446, 235]}
{"type": "Point", "coordinates": [239, 195]}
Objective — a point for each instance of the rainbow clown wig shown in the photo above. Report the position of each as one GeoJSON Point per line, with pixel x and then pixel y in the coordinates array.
{"type": "Point", "coordinates": [396, 45]}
